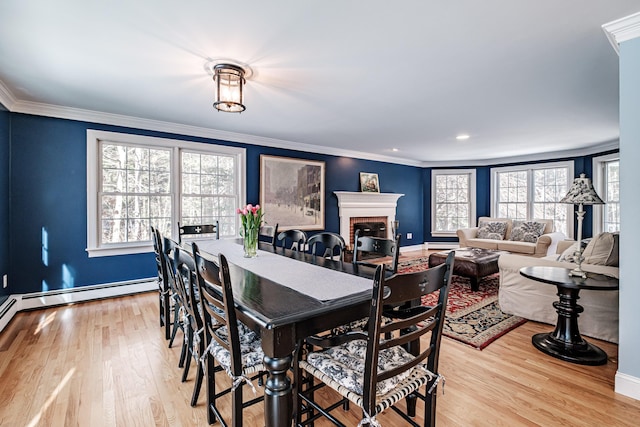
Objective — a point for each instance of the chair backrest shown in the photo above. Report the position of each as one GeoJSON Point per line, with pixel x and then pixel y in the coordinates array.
{"type": "Point", "coordinates": [376, 246]}
{"type": "Point", "coordinates": [217, 307]}
{"type": "Point", "coordinates": [268, 233]}
{"type": "Point", "coordinates": [198, 230]}
{"type": "Point", "coordinates": [160, 262]}
{"type": "Point", "coordinates": [292, 239]}
{"type": "Point", "coordinates": [404, 322]}
{"type": "Point", "coordinates": [185, 283]}
{"type": "Point", "coordinates": [327, 244]}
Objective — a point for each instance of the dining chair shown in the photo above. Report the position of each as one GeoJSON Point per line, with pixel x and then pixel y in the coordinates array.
{"type": "Point", "coordinates": [292, 239]}
{"type": "Point", "coordinates": [376, 246]}
{"type": "Point", "coordinates": [164, 291]}
{"type": "Point", "coordinates": [268, 233]}
{"type": "Point", "coordinates": [373, 369]}
{"type": "Point", "coordinates": [230, 345]}
{"type": "Point", "coordinates": [326, 244]}
{"type": "Point", "coordinates": [199, 230]}
{"type": "Point", "coordinates": [168, 248]}
{"type": "Point", "coordinates": [193, 344]}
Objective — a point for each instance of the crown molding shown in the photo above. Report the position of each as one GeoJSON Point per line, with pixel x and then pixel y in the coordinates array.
{"type": "Point", "coordinates": [622, 29]}
{"type": "Point", "coordinates": [48, 110]}
{"type": "Point", "coordinates": [69, 113]}
{"type": "Point", "coordinates": [6, 97]}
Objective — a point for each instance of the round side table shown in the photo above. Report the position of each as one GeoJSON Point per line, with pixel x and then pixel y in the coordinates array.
{"type": "Point", "coordinates": [565, 341]}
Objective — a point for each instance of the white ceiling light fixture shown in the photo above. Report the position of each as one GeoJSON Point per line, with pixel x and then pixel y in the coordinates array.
{"type": "Point", "coordinates": [462, 137]}
{"type": "Point", "coordinates": [229, 78]}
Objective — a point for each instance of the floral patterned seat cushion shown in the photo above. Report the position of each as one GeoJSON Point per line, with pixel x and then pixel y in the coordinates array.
{"type": "Point", "coordinates": [527, 231]}
{"type": "Point", "coordinates": [345, 365]}
{"type": "Point", "coordinates": [252, 354]}
{"type": "Point", "coordinates": [494, 230]}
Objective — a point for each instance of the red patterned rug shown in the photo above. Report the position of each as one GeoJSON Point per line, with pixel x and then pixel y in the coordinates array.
{"type": "Point", "coordinates": [473, 318]}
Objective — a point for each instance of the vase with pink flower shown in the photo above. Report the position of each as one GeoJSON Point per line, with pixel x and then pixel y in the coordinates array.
{"type": "Point", "coordinates": [251, 219]}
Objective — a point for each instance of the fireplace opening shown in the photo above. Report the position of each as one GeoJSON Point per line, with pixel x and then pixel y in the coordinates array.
{"type": "Point", "coordinates": [374, 226]}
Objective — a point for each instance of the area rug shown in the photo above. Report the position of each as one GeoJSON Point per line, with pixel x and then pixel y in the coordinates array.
{"type": "Point", "coordinates": [473, 318]}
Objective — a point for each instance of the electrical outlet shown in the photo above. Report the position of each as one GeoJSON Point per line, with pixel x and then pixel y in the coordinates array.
{"type": "Point", "coordinates": [409, 236]}
{"type": "Point", "coordinates": [5, 282]}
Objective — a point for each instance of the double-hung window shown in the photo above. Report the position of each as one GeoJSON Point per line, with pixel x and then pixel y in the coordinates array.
{"type": "Point", "coordinates": [529, 192]}
{"type": "Point", "coordinates": [453, 200]}
{"type": "Point", "coordinates": [606, 181]}
{"type": "Point", "coordinates": [134, 182]}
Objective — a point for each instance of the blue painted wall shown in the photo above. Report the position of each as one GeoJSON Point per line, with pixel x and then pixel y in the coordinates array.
{"type": "Point", "coordinates": [48, 202]}
{"type": "Point", "coordinates": [629, 206]}
{"type": "Point", "coordinates": [583, 164]}
{"type": "Point", "coordinates": [4, 198]}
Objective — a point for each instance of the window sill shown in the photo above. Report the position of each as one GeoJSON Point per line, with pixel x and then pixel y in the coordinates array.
{"type": "Point", "coordinates": [120, 250]}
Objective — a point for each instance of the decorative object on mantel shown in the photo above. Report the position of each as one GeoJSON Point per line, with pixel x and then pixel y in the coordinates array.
{"type": "Point", "coordinates": [229, 78]}
{"type": "Point", "coordinates": [292, 192]}
{"type": "Point", "coordinates": [369, 182]}
{"type": "Point", "coordinates": [581, 193]}
{"type": "Point", "coordinates": [251, 217]}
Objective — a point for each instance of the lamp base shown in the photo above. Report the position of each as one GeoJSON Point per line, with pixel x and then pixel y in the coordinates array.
{"type": "Point", "coordinates": [577, 272]}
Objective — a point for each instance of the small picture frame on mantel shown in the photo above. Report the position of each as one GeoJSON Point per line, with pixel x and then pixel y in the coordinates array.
{"type": "Point", "coordinates": [369, 182]}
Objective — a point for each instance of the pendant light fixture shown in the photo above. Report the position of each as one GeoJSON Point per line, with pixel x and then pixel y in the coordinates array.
{"type": "Point", "coordinates": [229, 80]}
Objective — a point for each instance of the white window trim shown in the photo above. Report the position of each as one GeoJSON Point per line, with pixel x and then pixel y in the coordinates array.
{"type": "Point", "coordinates": [529, 168]}
{"type": "Point", "coordinates": [472, 198]}
{"type": "Point", "coordinates": [599, 180]}
{"type": "Point", "coordinates": [94, 137]}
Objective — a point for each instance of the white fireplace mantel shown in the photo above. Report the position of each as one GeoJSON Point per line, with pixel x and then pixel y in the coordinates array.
{"type": "Point", "coordinates": [359, 204]}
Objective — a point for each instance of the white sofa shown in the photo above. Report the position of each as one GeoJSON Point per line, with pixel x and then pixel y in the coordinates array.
{"type": "Point", "coordinates": [534, 300]}
{"type": "Point", "coordinates": [544, 244]}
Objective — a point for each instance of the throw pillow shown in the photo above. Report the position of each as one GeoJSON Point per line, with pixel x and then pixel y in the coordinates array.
{"type": "Point", "coordinates": [527, 231]}
{"type": "Point", "coordinates": [603, 249]}
{"type": "Point", "coordinates": [494, 230]}
{"type": "Point", "coordinates": [569, 254]}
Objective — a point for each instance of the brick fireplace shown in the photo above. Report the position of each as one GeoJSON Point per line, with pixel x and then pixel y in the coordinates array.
{"type": "Point", "coordinates": [372, 208]}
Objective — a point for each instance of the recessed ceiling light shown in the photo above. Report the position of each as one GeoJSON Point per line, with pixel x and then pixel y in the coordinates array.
{"type": "Point", "coordinates": [394, 149]}
{"type": "Point", "coordinates": [462, 137]}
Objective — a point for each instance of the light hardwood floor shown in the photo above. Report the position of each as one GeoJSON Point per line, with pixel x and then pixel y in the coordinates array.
{"type": "Point", "coordinates": [106, 363]}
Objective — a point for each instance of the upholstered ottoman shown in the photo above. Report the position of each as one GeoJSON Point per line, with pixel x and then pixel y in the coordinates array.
{"type": "Point", "coordinates": [473, 263]}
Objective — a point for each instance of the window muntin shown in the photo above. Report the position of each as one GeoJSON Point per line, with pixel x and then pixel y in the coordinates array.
{"type": "Point", "coordinates": [611, 196]}
{"type": "Point", "coordinates": [606, 181]}
{"type": "Point", "coordinates": [532, 192]}
{"type": "Point", "coordinates": [453, 200]}
{"type": "Point", "coordinates": [136, 181]}
{"type": "Point", "coordinates": [209, 190]}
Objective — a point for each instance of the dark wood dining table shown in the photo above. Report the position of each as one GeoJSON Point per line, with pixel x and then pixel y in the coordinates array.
{"type": "Point", "coordinates": [283, 316]}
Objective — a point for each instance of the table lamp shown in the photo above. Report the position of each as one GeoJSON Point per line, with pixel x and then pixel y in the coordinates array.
{"type": "Point", "coordinates": [581, 193]}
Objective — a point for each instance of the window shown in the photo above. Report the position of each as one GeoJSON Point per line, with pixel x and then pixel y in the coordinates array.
{"type": "Point", "coordinates": [606, 181]}
{"type": "Point", "coordinates": [530, 192]}
{"type": "Point", "coordinates": [453, 194]}
{"type": "Point", "coordinates": [134, 182]}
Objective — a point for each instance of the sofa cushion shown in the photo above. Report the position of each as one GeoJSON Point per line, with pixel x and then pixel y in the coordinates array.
{"type": "Point", "coordinates": [603, 249]}
{"type": "Point", "coordinates": [517, 247]}
{"type": "Point", "coordinates": [527, 231]}
{"type": "Point", "coordinates": [494, 230]}
{"type": "Point", "coordinates": [483, 243]}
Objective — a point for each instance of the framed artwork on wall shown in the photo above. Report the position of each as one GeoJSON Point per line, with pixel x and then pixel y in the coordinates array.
{"type": "Point", "coordinates": [369, 182]}
{"type": "Point", "coordinates": [292, 192]}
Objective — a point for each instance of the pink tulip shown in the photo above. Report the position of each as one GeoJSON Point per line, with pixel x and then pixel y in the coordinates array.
{"type": "Point", "coordinates": [257, 206]}
{"type": "Point", "coordinates": [238, 211]}
{"type": "Point", "coordinates": [244, 211]}
{"type": "Point", "coordinates": [249, 207]}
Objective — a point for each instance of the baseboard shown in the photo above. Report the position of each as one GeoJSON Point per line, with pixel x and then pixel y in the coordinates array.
{"type": "Point", "coordinates": [441, 245]}
{"type": "Point", "coordinates": [7, 310]}
{"type": "Point", "coordinates": [38, 300]}
{"type": "Point", "coordinates": [627, 385]}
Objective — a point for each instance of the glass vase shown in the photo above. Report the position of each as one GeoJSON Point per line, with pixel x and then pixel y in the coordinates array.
{"type": "Point", "coordinates": [250, 242]}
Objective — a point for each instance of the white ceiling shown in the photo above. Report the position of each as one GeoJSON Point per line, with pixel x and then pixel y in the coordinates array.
{"type": "Point", "coordinates": [520, 77]}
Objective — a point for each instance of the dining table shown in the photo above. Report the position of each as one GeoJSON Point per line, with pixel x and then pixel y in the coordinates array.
{"type": "Point", "coordinates": [287, 296]}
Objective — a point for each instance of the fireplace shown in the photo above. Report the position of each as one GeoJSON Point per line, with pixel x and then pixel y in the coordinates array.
{"type": "Point", "coordinates": [377, 209]}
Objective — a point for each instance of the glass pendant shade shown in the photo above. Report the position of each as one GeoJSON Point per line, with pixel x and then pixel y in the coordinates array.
{"type": "Point", "coordinates": [229, 81]}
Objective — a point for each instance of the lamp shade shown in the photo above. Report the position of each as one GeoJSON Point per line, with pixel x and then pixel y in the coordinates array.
{"type": "Point", "coordinates": [582, 192]}
{"type": "Point", "coordinates": [229, 81]}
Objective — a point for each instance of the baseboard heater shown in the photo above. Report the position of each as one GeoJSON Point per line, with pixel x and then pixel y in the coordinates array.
{"type": "Point", "coordinates": [40, 300]}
